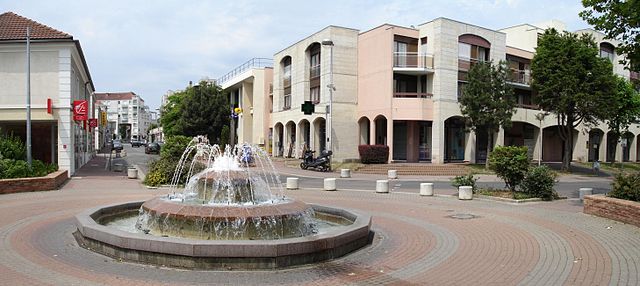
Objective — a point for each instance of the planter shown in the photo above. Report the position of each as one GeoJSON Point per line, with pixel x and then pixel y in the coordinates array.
{"type": "Point", "coordinates": [49, 182]}
{"type": "Point", "coordinates": [612, 208]}
{"type": "Point", "coordinates": [132, 173]}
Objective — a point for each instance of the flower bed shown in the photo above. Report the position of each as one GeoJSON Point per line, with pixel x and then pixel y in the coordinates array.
{"type": "Point", "coordinates": [612, 208]}
{"type": "Point", "coordinates": [47, 183]}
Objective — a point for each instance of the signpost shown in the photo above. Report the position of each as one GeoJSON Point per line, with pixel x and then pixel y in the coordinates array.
{"type": "Point", "coordinates": [80, 108]}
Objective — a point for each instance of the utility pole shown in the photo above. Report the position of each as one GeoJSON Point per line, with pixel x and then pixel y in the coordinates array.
{"type": "Point", "coordinates": [29, 159]}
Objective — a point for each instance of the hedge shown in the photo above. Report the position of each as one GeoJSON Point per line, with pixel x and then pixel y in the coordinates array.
{"type": "Point", "coordinates": [373, 154]}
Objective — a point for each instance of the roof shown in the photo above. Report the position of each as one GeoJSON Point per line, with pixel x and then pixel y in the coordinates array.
{"type": "Point", "coordinates": [114, 95]}
{"type": "Point", "coordinates": [13, 27]}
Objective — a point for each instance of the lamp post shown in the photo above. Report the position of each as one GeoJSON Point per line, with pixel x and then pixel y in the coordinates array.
{"type": "Point", "coordinates": [540, 116]}
{"type": "Point", "coordinates": [29, 158]}
{"type": "Point", "coordinates": [329, 113]}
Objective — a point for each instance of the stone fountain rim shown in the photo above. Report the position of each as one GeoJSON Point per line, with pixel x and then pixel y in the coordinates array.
{"type": "Point", "coordinates": [89, 228]}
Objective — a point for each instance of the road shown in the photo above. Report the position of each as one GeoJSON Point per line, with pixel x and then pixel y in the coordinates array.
{"type": "Point", "coordinates": [136, 156]}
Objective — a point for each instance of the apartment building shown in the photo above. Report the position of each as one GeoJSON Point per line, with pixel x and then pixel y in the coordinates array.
{"type": "Point", "coordinates": [399, 86]}
{"type": "Point", "coordinates": [127, 115]}
{"type": "Point", "coordinates": [250, 87]}
{"type": "Point", "coordinates": [59, 76]}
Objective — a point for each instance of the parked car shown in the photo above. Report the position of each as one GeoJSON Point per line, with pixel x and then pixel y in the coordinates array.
{"type": "Point", "coordinates": [152, 148]}
{"type": "Point", "coordinates": [136, 143]}
{"type": "Point", "coordinates": [117, 145]}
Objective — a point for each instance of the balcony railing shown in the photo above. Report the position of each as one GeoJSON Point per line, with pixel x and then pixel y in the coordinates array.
{"type": "Point", "coordinates": [314, 71]}
{"type": "Point", "coordinates": [520, 76]}
{"type": "Point", "coordinates": [252, 63]}
{"type": "Point", "coordinates": [286, 81]}
{"type": "Point", "coordinates": [412, 95]}
{"type": "Point", "coordinates": [412, 60]}
{"type": "Point", "coordinates": [465, 64]}
{"type": "Point", "coordinates": [287, 102]}
{"type": "Point", "coordinates": [635, 75]}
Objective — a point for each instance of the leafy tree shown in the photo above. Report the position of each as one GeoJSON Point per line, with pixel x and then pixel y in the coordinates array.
{"type": "Point", "coordinates": [625, 108]}
{"type": "Point", "coordinates": [487, 100]}
{"type": "Point", "coordinates": [572, 82]}
{"type": "Point", "coordinates": [198, 110]}
{"type": "Point", "coordinates": [619, 21]}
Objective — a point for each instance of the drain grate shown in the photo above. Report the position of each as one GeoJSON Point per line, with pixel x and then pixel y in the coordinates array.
{"type": "Point", "coordinates": [463, 216]}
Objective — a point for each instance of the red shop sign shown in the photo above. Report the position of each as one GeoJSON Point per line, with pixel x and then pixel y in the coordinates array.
{"type": "Point", "coordinates": [93, 122]}
{"type": "Point", "coordinates": [80, 108]}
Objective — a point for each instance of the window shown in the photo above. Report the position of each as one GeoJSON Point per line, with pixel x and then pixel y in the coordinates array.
{"type": "Point", "coordinates": [315, 64]}
{"type": "Point", "coordinates": [315, 94]}
{"type": "Point", "coordinates": [286, 82]}
{"type": "Point", "coordinates": [464, 51]}
{"type": "Point", "coordinates": [287, 101]}
{"type": "Point", "coordinates": [607, 51]}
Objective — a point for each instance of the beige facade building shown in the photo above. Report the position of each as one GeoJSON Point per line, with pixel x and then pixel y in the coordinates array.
{"type": "Point", "coordinates": [399, 86]}
{"type": "Point", "coordinates": [59, 73]}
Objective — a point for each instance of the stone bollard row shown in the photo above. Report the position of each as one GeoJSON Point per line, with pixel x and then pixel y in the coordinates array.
{"type": "Point", "coordinates": [345, 173]}
{"type": "Point", "coordinates": [465, 193]}
{"type": "Point", "coordinates": [392, 174]}
{"type": "Point", "coordinates": [585, 192]}
{"type": "Point", "coordinates": [292, 183]}
{"type": "Point", "coordinates": [330, 184]}
{"type": "Point", "coordinates": [382, 186]}
{"type": "Point", "coordinates": [426, 189]}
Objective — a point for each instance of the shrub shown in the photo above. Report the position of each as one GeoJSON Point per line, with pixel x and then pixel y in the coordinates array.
{"type": "Point", "coordinates": [11, 147]}
{"type": "Point", "coordinates": [155, 178]}
{"type": "Point", "coordinates": [174, 147]}
{"type": "Point", "coordinates": [466, 180]}
{"type": "Point", "coordinates": [510, 163]}
{"type": "Point", "coordinates": [373, 154]}
{"type": "Point", "coordinates": [626, 187]}
{"type": "Point", "coordinates": [539, 182]}
{"type": "Point", "coordinates": [16, 169]}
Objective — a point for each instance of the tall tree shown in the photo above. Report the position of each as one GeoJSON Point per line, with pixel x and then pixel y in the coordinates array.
{"type": "Point", "coordinates": [619, 20]}
{"type": "Point", "coordinates": [625, 109]}
{"type": "Point", "coordinates": [488, 101]}
{"type": "Point", "coordinates": [572, 82]}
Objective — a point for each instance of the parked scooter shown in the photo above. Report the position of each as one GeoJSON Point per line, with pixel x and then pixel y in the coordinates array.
{"type": "Point", "coordinates": [321, 163]}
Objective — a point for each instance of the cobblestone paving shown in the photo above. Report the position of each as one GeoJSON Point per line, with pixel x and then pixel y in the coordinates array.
{"type": "Point", "coordinates": [416, 242]}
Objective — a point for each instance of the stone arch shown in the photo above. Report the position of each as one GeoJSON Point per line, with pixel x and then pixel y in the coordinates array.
{"type": "Point", "coordinates": [319, 134]}
{"type": "Point", "coordinates": [364, 130]}
{"type": "Point", "coordinates": [289, 139]}
{"type": "Point", "coordinates": [380, 123]}
{"type": "Point", "coordinates": [596, 136]}
{"type": "Point", "coordinates": [278, 140]}
{"type": "Point", "coordinates": [454, 139]}
{"type": "Point", "coordinates": [552, 144]}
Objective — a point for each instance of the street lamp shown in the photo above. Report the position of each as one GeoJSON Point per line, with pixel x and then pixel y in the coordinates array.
{"type": "Point", "coordinates": [329, 113]}
{"type": "Point", "coordinates": [540, 116]}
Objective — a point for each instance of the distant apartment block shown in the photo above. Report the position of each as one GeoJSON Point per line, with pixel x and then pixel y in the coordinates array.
{"type": "Point", "coordinates": [127, 115]}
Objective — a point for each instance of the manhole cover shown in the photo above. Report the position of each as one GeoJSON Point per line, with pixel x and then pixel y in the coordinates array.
{"type": "Point", "coordinates": [463, 216]}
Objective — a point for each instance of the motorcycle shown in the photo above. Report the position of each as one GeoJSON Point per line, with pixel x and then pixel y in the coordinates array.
{"type": "Point", "coordinates": [321, 163]}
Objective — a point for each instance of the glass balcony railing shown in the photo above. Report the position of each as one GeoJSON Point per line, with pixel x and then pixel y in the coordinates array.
{"type": "Point", "coordinates": [314, 71]}
{"type": "Point", "coordinates": [520, 76]}
{"type": "Point", "coordinates": [465, 64]}
{"type": "Point", "coordinates": [287, 101]}
{"type": "Point", "coordinates": [412, 95]}
{"type": "Point", "coordinates": [412, 60]}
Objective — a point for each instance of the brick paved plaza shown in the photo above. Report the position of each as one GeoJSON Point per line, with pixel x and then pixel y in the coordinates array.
{"type": "Point", "coordinates": [416, 242]}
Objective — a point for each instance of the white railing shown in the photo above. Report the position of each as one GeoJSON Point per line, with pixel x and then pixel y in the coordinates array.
{"type": "Point", "coordinates": [252, 63]}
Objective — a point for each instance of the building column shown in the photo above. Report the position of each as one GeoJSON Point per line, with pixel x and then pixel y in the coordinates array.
{"type": "Point", "coordinates": [602, 149]}
{"type": "Point", "coordinates": [390, 137]}
{"type": "Point", "coordinates": [632, 149]}
{"type": "Point", "coordinates": [372, 132]}
{"type": "Point", "coordinates": [299, 139]}
{"type": "Point", "coordinates": [470, 146]}
{"type": "Point", "coordinates": [437, 142]}
{"type": "Point", "coordinates": [498, 138]}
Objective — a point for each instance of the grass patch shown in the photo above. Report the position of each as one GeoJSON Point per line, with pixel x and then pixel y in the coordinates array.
{"type": "Point", "coordinates": [479, 169]}
{"type": "Point", "coordinates": [500, 193]}
{"type": "Point", "coordinates": [626, 167]}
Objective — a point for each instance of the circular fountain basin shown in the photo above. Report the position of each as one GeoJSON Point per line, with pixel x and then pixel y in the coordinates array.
{"type": "Point", "coordinates": [181, 252]}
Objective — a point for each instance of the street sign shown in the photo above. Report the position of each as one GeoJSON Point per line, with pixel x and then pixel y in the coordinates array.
{"type": "Point", "coordinates": [308, 107]}
{"type": "Point", "coordinates": [103, 118]}
{"type": "Point", "coordinates": [93, 122]}
{"type": "Point", "coordinates": [80, 108]}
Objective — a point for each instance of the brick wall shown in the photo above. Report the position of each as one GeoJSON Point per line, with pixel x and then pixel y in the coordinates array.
{"type": "Point", "coordinates": [612, 208]}
{"type": "Point", "coordinates": [47, 183]}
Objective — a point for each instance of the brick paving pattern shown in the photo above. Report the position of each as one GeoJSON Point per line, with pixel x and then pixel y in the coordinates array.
{"type": "Point", "coordinates": [416, 242]}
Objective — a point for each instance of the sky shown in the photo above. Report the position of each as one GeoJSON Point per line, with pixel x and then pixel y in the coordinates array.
{"type": "Point", "coordinates": [151, 47]}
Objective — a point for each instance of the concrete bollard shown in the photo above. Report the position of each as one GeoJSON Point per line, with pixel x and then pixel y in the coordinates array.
{"type": "Point", "coordinates": [426, 189]}
{"type": "Point", "coordinates": [132, 173]}
{"type": "Point", "coordinates": [330, 184]}
{"type": "Point", "coordinates": [465, 193]}
{"type": "Point", "coordinates": [382, 186]}
{"type": "Point", "coordinates": [292, 183]}
{"type": "Point", "coordinates": [392, 174]}
{"type": "Point", "coordinates": [585, 192]}
{"type": "Point", "coordinates": [345, 173]}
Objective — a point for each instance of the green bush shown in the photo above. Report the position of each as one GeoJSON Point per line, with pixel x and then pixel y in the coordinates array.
{"type": "Point", "coordinates": [626, 187]}
{"type": "Point", "coordinates": [539, 182]}
{"type": "Point", "coordinates": [373, 154]}
{"type": "Point", "coordinates": [16, 169]}
{"type": "Point", "coordinates": [174, 147]}
{"type": "Point", "coordinates": [11, 147]}
{"type": "Point", "coordinates": [155, 178]}
{"type": "Point", "coordinates": [466, 180]}
{"type": "Point", "coordinates": [510, 163]}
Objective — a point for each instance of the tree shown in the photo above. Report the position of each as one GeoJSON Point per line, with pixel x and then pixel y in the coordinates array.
{"type": "Point", "coordinates": [572, 82]}
{"type": "Point", "coordinates": [510, 163]}
{"type": "Point", "coordinates": [625, 108]}
{"type": "Point", "coordinates": [198, 110]}
{"type": "Point", "coordinates": [487, 100]}
{"type": "Point", "coordinates": [619, 21]}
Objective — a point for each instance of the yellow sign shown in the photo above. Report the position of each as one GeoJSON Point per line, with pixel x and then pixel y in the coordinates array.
{"type": "Point", "coordinates": [103, 118]}
{"type": "Point", "coordinates": [238, 110]}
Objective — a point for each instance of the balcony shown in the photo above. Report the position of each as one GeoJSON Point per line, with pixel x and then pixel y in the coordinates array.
{"type": "Point", "coordinates": [520, 76]}
{"type": "Point", "coordinates": [314, 71]}
{"type": "Point", "coordinates": [287, 102]}
{"type": "Point", "coordinates": [465, 64]}
{"type": "Point", "coordinates": [252, 63]}
{"type": "Point", "coordinates": [412, 63]}
{"type": "Point", "coordinates": [634, 75]}
{"type": "Point", "coordinates": [412, 95]}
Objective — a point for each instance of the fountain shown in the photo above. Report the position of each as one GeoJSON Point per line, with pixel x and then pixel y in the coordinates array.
{"type": "Point", "coordinates": [225, 209]}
